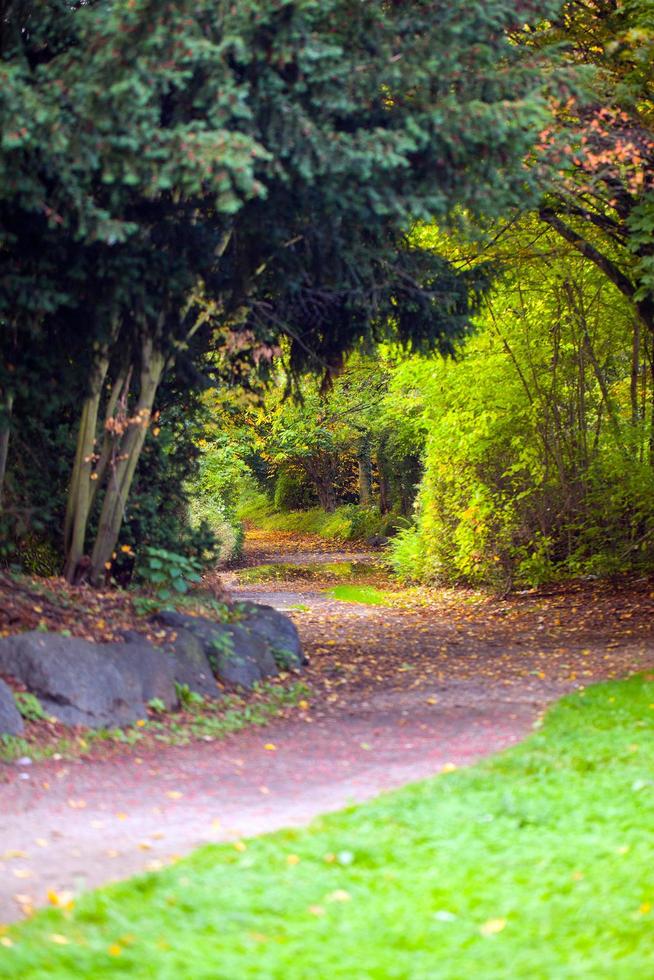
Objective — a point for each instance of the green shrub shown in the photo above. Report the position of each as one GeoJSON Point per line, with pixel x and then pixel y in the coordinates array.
{"type": "Point", "coordinates": [168, 573]}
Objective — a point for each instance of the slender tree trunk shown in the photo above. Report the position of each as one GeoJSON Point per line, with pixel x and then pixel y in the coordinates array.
{"type": "Point", "coordinates": [119, 393]}
{"type": "Point", "coordinates": [153, 363]}
{"type": "Point", "coordinates": [385, 502]}
{"type": "Point", "coordinates": [4, 441]}
{"type": "Point", "coordinates": [364, 460]}
{"type": "Point", "coordinates": [635, 372]}
{"type": "Point", "coordinates": [79, 494]}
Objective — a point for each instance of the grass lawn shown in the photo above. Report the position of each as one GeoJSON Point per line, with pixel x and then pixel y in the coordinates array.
{"type": "Point", "coordinates": [538, 863]}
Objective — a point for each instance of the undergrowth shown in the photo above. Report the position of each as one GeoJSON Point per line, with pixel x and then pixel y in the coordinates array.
{"type": "Point", "coordinates": [348, 523]}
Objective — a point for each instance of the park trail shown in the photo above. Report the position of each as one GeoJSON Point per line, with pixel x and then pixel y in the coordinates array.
{"type": "Point", "coordinates": [399, 692]}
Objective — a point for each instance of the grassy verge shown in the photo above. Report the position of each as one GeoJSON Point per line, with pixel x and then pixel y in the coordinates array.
{"type": "Point", "coordinates": [538, 863]}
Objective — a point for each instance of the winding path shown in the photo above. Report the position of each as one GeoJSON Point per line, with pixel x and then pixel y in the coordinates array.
{"type": "Point", "coordinates": [401, 692]}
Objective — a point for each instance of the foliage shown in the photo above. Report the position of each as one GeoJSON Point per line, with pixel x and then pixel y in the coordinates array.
{"type": "Point", "coordinates": [445, 878]}
{"type": "Point", "coordinates": [167, 572]}
{"type": "Point", "coordinates": [538, 458]}
{"type": "Point", "coordinates": [186, 697]}
{"type": "Point", "coordinates": [211, 179]}
{"type": "Point", "coordinates": [346, 523]}
{"type": "Point", "coordinates": [29, 706]}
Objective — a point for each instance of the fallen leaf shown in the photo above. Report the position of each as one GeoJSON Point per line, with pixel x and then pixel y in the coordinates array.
{"type": "Point", "coordinates": [492, 927]}
{"type": "Point", "coordinates": [339, 896]}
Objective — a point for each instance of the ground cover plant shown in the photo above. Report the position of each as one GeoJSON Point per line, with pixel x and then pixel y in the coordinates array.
{"type": "Point", "coordinates": [535, 863]}
{"type": "Point", "coordinates": [196, 719]}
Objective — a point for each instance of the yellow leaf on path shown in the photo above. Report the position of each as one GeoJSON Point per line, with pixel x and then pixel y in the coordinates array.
{"type": "Point", "coordinates": [174, 794]}
{"type": "Point", "coordinates": [41, 841]}
{"type": "Point", "coordinates": [448, 767]}
{"type": "Point", "coordinates": [121, 816]}
{"type": "Point", "coordinates": [61, 899]}
{"type": "Point", "coordinates": [77, 804]}
{"type": "Point", "coordinates": [22, 873]}
{"type": "Point", "coordinates": [492, 927]}
{"type": "Point", "coordinates": [270, 747]}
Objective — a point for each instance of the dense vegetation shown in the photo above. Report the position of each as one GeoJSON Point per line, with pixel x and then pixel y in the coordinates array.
{"type": "Point", "coordinates": [200, 203]}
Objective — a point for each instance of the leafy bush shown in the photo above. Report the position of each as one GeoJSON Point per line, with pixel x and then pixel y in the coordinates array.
{"type": "Point", "coordinates": [167, 572]}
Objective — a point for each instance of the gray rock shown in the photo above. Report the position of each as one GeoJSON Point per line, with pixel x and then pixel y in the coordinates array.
{"type": "Point", "coordinates": [377, 541]}
{"type": "Point", "coordinates": [190, 664]}
{"type": "Point", "coordinates": [277, 630]}
{"type": "Point", "coordinates": [91, 684]}
{"type": "Point", "coordinates": [11, 722]}
{"type": "Point", "coordinates": [245, 658]}
{"type": "Point", "coordinates": [237, 654]}
{"type": "Point", "coordinates": [147, 668]}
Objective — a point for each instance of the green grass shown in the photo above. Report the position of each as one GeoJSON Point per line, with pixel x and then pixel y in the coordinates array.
{"type": "Point", "coordinates": [365, 594]}
{"type": "Point", "coordinates": [536, 865]}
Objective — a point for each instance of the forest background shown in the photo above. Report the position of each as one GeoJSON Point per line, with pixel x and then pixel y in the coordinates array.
{"type": "Point", "coordinates": [375, 271]}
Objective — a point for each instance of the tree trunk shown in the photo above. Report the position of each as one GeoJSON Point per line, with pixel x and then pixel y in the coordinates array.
{"type": "Point", "coordinates": [153, 363]}
{"type": "Point", "coordinates": [79, 500]}
{"type": "Point", "coordinates": [635, 373]}
{"type": "Point", "coordinates": [364, 460]}
{"type": "Point", "coordinates": [4, 441]}
{"type": "Point", "coordinates": [385, 501]}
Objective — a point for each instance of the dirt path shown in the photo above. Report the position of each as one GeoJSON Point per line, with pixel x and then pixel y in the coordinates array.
{"type": "Point", "coordinates": [399, 693]}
